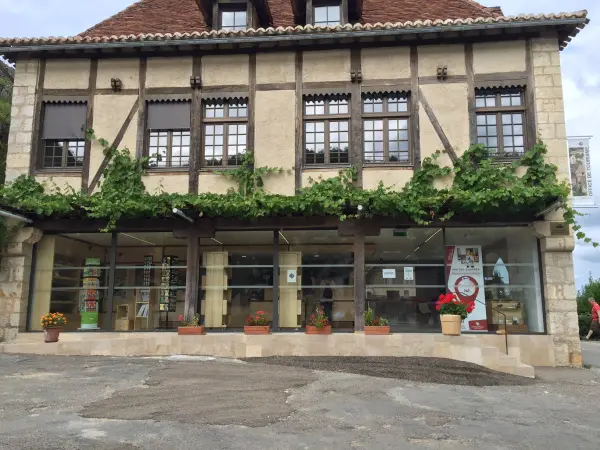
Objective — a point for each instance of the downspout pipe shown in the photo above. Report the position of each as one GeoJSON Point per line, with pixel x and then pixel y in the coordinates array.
{"type": "Point", "coordinates": [9, 215]}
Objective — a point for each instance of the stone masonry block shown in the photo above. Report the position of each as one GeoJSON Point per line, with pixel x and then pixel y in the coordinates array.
{"type": "Point", "coordinates": [546, 131]}
{"type": "Point", "coordinates": [544, 80]}
{"type": "Point", "coordinates": [541, 59]}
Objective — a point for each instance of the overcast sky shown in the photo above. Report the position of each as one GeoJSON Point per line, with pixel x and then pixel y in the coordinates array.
{"type": "Point", "coordinates": [581, 70]}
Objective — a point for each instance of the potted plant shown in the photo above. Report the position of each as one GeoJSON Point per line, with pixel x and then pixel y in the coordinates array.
{"type": "Point", "coordinates": [452, 313]}
{"type": "Point", "coordinates": [318, 323]}
{"type": "Point", "coordinates": [257, 324]}
{"type": "Point", "coordinates": [191, 327]}
{"type": "Point", "coordinates": [53, 324]}
{"type": "Point", "coordinates": [375, 324]}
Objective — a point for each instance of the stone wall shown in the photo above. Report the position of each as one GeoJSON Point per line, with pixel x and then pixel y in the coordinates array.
{"type": "Point", "coordinates": [22, 116]}
{"type": "Point", "coordinates": [560, 294]}
{"type": "Point", "coordinates": [549, 102]}
{"type": "Point", "coordinates": [15, 272]}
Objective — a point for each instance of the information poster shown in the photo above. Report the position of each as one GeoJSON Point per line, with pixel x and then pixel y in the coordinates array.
{"type": "Point", "coordinates": [580, 167]}
{"type": "Point", "coordinates": [465, 279]}
{"type": "Point", "coordinates": [90, 294]}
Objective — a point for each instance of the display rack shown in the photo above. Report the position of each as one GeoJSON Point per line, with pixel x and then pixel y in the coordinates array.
{"type": "Point", "coordinates": [169, 277]}
{"type": "Point", "coordinates": [143, 304]}
{"type": "Point", "coordinates": [122, 321]}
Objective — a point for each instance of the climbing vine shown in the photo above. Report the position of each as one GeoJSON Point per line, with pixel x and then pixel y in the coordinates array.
{"type": "Point", "coordinates": [248, 177]}
{"type": "Point", "coordinates": [476, 188]}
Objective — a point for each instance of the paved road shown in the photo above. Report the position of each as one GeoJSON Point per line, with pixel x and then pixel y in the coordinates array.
{"type": "Point", "coordinates": [133, 403]}
{"type": "Point", "coordinates": [591, 353]}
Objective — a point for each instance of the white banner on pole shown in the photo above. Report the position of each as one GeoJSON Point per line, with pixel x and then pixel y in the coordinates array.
{"type": "Point", "coordinates": [465, 279]}
{"type": "Point", "coordinates": [580, 167]}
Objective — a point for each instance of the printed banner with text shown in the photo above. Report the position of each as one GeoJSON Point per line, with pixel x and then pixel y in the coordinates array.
{"type": "Point", "coordinates": [465, 279]}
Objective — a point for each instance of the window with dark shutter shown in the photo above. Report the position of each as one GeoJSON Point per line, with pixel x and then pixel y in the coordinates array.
{"type": "Point", "coordinates": [63, 135]}
{"type": "Point", "coordinates": [169, 134]}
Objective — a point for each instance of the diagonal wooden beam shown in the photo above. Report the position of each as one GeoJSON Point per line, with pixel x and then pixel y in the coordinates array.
{"type": "Point", "coordinates": [438, 128]}
{"type": "Point", "coordinates": [115, 144]}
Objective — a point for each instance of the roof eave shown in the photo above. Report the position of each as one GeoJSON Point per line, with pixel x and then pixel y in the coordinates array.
{"type": "Point", "coordinates": [321, 36]}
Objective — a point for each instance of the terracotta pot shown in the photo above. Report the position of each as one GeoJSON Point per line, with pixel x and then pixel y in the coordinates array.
{"type": "Point", "coordinates": [377, 330]}
{"type": "Point", "coordinates": [451, 324]}
{"type": "Point", "coordinates": [51, 334]}
{"type": "Point", "coordinates": [310, 329]}
{"type": "Point", "coordinates": [191, 331]}
{"type": "Point", "coordinates": [257, 329]}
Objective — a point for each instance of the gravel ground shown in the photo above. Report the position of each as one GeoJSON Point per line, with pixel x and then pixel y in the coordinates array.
{"type": "Point", "coordinates": [68, 403]}
{"type": "Point", "coordinates": [427, 370]}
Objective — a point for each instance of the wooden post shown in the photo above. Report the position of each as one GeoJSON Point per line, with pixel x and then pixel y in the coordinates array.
{"type": "Point", "coordinates": [415, 107]}
{"type": "Point", "coordinates": [196, 122]}
{"type": "Point", "coordinates": [111, 280]}
{"type": "Point", "coordinates": [471, 93]}
{"type": "Point", "coordinates": [192, 275]}
{"type": "Point", "coordinates": [299, 123]}
{"type": "Point", "coordinates": [359, 279]}
{"type": "Point", "coordinates": [87, 153]}
{"type": "Point", "coordinates": [356, 123]}
{"type": "Point", "coordinates": [275, 323]}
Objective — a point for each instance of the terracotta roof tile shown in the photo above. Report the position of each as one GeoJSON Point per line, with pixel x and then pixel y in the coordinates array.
{"type": "Point", "coordinates": [412, 10]}
{"type": "Point", "coordinates": [184, 16]}
{"type": "Point", "coordinates": [151, 17]}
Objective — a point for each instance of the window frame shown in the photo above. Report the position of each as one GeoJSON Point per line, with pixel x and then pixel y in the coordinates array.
{"type": "Point", "coordinates": [226, 120]}
{"type": "Point", "coordinates": [326, 4]}
{"type": "Point", "coordinates": [234, 7]}
{"type": "Point", "coordinates": [168, 167]}
{"type": "Point", "coordinates": [65, 151]}
{"type": "Point", "coordinates": [498, 111]}
{"type": "Point", "coordinates": [326, 119]}
{"type": "Point", "coordinates": [386, 116]}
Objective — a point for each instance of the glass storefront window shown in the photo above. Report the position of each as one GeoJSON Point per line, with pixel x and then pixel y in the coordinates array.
{"type": "Point", "coordinates": [236, 277]}
{"type": "Point", "coordinates": [511, 273]}
{"type": "Point", "coordinates": [150, 277]}
{"type": "Point", "coordinates": [72, 278]}
{"type": "Point", "coordinates": [316, 270]}
{"type": "Point", "coordinates": [404, 276]}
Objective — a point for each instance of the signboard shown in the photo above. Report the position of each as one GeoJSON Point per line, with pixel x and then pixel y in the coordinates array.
{"type": "Point", "coordinates": [409, 274]}
{"type": "Point", "coordinates": [580, 167]}
{"type": "Point", "coordinates": [389, 273]}
{"type": "Point", "coordinates": [291, 275]}
{"type": "Point", "coordinates": [465, 279]}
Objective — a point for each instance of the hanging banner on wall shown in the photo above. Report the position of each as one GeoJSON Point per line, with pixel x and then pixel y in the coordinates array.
{"type": "Point", "coordinates": [465, 279]}
{"type": "Point", "coordinates": [580, 167]}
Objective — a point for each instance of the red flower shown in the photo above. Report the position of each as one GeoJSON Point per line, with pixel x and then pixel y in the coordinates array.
{"type": "Point", "coordinates": [181, 317]}
{"type": "Point", "coordinates": [470, 307]}
{"type": "Point", "coordinates": [438, 307]}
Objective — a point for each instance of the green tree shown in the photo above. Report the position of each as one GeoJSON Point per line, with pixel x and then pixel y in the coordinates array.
{"type": "Point", "coordinates": [590, 289]}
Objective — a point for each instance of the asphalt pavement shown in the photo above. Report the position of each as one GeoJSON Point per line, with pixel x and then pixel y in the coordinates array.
{"type": "Point", "coordinates": [591, 353]}
{"type": "Point", "coordinates": [199, 403]}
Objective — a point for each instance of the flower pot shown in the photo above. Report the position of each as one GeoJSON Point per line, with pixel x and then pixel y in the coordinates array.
{"type": "Point", "coordinates": [310, 329]}
{"type": "Point", "coordinates": [257, 329]}
{"type": "Point", "coordinates": [377, 330]}
{"type": "Point", "coordinates": [187, 331]}
{"type": "Point", "coordinates": [51, 334]}
{"type": "Point", "coordinates": [451, 324]}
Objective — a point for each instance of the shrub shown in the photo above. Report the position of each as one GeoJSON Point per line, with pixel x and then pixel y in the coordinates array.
{"type": "Point", "coordinates": [584, 323]}
{"type": "Point", "coordinates": [371, 320]}
{"type": "Point", "coordinates": [318, 318]}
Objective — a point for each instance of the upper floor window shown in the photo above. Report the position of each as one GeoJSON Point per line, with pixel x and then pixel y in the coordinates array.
{"type": "Point", "coordinates": [169, 134]}
{"type": "Point", "coordinates": [386, 128]}
{"type": "Point", "coordinates": [500, 121]}
{"type": "Point", "coordinates": [327, 14]}
{"type": "Point", "coordinates": [326, 130]}
{"type": "Point", "coordinates": [225, 132]}
{"type": "Point", "coordinates": [233, 16]}
{"type": "Point", "coordinates": [63, 135]}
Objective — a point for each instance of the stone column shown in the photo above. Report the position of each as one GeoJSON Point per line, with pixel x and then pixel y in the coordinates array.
{"type": "Point", "coordinates": [15, 272]}
{"type": "Point", "coordinates": [560, 295]}
{"type": "Point", "coordinates": [22, 119]}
